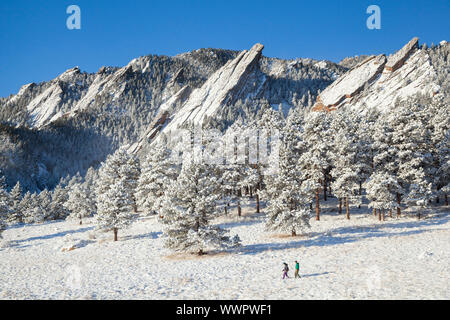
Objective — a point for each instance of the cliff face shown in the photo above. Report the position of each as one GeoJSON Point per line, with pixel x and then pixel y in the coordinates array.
{"type": "Point", "coordinates": [235, 80]}
{"type": "Point", "coordinates": [225, 86]}
{"type": "Point", "coordinates": [379, 81]}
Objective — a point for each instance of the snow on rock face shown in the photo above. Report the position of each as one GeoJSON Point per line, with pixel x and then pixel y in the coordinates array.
{"type": "Point", "coordinates": [23, 90]}
{"type": "Point", "coordinates": [221, 88]}
{"type": "Point", "coordinates": [416, 76]}
{"type": "Point", "coordinates": [352, 82]}
{"type": "Point", "coordinates": [161, 118]}
{"type": "Point", "coordinates": [232, 81]}
{"type": "Point", "coordinates": [398, 59]}
{"type": "Point", "coordinates": [44, 106]}
{"type": "Point", "coordinates": [379, 82]}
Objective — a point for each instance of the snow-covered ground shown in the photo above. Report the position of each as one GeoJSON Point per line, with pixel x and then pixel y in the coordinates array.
{"type": "Point", "coordinates": [400, 258]}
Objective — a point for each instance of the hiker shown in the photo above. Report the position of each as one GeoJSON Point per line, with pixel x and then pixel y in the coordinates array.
{"type": "Point", "coordinates": [285, 270]}
{"type": "Point", "coordinates": [297, 267]}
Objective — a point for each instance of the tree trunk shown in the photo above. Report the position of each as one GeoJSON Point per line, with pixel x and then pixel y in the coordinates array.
{"type": "Point", "coordinates": [383, 214]}
{"type": "Point", "coordinates": [379, 214]}
{"type": "Point", "coordinates": [257, 203]}
{"type": "Point", "coordinates": [251, 192]}
{"type": "Point", "coordinates": [347, 208]}
{"type": "Point", "coordinates": [374, 212]}
{"type": "Point", "coordinates": [398, 202]}
{"type": "Point", "coordinates": [239, 208]}
{"type": "Point", "coordinates": [81, 222]}
{"type": "Point", "coordinates": [340, 206]}
{"type": "Point", "coordinates": [226, 211]}
{"type": "Point", "coordinates": [446, 200]}
{"type": "Point", "coordinates": [115, 233]}
{"type": "Point", "coordinates": [317, 205]}
{"type": "Point", "coordinates": [390, 213]}
{"type": "Point", "coordinates": [293, 232]}
{"type": "Point", "coordinates": [360, 187]}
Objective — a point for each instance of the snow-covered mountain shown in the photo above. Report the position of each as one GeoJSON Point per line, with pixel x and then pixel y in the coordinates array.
{"type": "Point", "coordinates": [379, 81]}
{"type": "Point", "coordinates": [89, 115]}
{"type": "Point", "coordinates": [74, 121]}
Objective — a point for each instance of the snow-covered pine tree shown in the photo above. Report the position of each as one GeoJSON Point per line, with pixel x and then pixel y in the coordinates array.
{"type": "Point", "coordinates": [346, 170]}
{"type": "Point", "coordinates": [385, 157]}
{"type": "Point", "coordinates": [4, 207]}
{"type": "Point", "coordinates": [32, 210]}
{"type": "Point", "coordinates": [59, 197]}
{"type": "Point", "coordinates": [45, 201]}
{"type": "Point", "coordinates": [288, 208]}
{"type": "Point", "coordinates": [313, 162]}
{"type": "Point", "coordinates": [157, 173]}
{"type": "Point", "coordinates": [382, 189]}
{"type": "Point", "coordinates": [233, 171]}
{"type": "Point", "coordinates": [4, 202]}
{"type": "Point", "coordinates": [25, 207]}
{"type": "Point", "coordinates": [412, 138]}
{"type": "Point", "coordinates": [441, 148]}
{"type": "Point", "coordinates": [115, 207]}
{"type": "Point", "coordinates": [89, 183]}
{"type": "Point", "coordinates": [78, 203]}
{"type": "Point", "coordinates": [188, 207]}
{"type": "Point", "coordinates": [15, 196]}
{"type": "Point", "coordinates": [120, 165]}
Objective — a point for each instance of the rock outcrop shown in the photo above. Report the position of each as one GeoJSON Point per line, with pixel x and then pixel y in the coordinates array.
{"type": "Point", "coordinates": [379, 81]}
{"type": "Point", "coordinates": [224, 87]}
{"type": "Point", "coordinates": [398, 59]}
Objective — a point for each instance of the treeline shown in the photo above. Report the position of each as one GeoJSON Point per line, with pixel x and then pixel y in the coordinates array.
{"type": "Point", "coordinates": [394, 160]}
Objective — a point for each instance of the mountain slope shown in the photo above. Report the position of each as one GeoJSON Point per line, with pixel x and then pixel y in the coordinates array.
{"type": "Point", "coordinates": [86, 116]}
{"type": "Point", "coordinates": [379, 81]}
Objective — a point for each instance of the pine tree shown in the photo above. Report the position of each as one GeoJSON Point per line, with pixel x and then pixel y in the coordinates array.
{"type": "Point", "coordinates": [412, 137]}
{"type": "Point", "coordinates": [25, 207]}
{"type": "Point", "coordinates": [234, 170]}
{"type": "Point", "coordinates": [78, 203]}
{"type": "Point", "coordinates": [440, 148]}
{"type": "Point", "coordinates": [45, 202]}
{"type": "Point", "coordinates": [4, 204]}
{"type": "Point", "coordinates": [382, 189]}
{"type": "Point", "coordinates": [157, 173]}
{"type": "Point", "coordinates": [60, 196]}
{"type": "Point", "coordinates": [119, 166]}
{"type": "Point", "coordinates": [314, 161]}
{"type": "Point", "coordinates": [188, 208]}
{"type": "Point", "coordinates": [32, 210]}
{"type": "Point", "coordinates": [4, 209]}
{"type": "Point", "coordinates": [288, 198]}
{"type": "Point", "coordinates": [347, 166]}
{"type": "Point", "coordinates": [115, 207]}
{"type": "Point", "coordinates": [15, 197]}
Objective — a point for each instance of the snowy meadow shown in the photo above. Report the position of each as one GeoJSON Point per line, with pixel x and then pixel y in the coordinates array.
{"type": "Point", "coordinates": [360, 258]}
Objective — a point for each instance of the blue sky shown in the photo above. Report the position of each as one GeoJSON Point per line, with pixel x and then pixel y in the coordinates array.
{"type": "Point", "coordinates": [35, 44]}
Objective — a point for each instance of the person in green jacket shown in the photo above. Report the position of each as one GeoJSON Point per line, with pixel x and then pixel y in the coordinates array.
{"type": "Point", "coordinates": [297, 267]}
